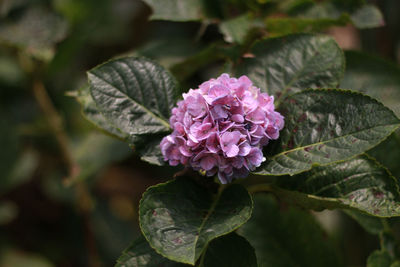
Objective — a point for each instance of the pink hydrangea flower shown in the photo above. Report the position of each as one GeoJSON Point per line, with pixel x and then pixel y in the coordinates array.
{"type": "Point", "coordinates": [221, 127]}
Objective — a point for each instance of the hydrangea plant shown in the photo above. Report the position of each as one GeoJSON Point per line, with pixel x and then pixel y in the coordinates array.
{"type": "Point", "coordinates": [278, 119]}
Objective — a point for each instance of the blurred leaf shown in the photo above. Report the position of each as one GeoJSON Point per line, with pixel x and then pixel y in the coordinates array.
{"type": "Point", "coordinates": [97, 151]}
{"type": "Point", "coordinates": [17, 258]}
{"type": "Point", "coordinates": [229, 250]}
{"type": "Point", "coordinates": [288, 25]}
{"type": "Point", "coordinates": [362, 16]}
{"type": "Point", "coordinates": [286, 237]}
{"type": "Point", "coordinates": [135, 94]}
{"type": "Point", "coordinates": [7, 6]}
{"type": "Point", "coordinates": [36, 31]}
{"type": "Point", "coordinates": [374, 77]}
{"type": "Point", "coordinates": [8, 212]}
{"type": "Point", "coordinates": [379, 258]}
{"type": "Point", "coordinates": [324, 126]}
{"type": "Point", "coordinates": [177, 10]}
{"type": "Point", "coordinates": [359, 183]}
{"type": "Point", "coordinates": [236, 30]}
{"type": "Point", "coordinates": [287, 65]}
{"type": "Point", "coordinates": [367, 16]}
{"type": "Point", "coordinates": [179, 218]}
{"type": "Point", "coordinates": [21, 170]}
{"type": "Point", "coordinates": [10, 72]}
{"type": "Point", "coordinates": [372, 225]}
{"type": "Point", "coordinates": [169, 51]}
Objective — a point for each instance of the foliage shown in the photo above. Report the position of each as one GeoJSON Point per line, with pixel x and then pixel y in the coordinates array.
{"type": "Point", "coordinates": [339, 148]}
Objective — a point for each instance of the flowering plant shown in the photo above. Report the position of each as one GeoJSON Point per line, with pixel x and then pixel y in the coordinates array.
{"type": "Point", "coordinates": [282, 124]}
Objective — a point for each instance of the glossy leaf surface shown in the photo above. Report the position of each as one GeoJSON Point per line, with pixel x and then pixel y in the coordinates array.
{"type": "Point", "coordinates": [325, 126]}
{"type": "Point", "coordinates": [360, 183]}
{"type": "Point", "coordinates": [286, 65]}
{"type": "Point", "coordinates": [180, 218]}
{"type": "Point", "coordinates": [135, 94]}
{"type": "Point", "coordinates": [221, 252]}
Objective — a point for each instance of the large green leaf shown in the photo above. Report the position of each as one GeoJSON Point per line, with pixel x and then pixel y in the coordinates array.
{"type": "Point", "coordinates": [287, 65]}
{"type": "Point", "coordinates": [287, 237]}
{"type": "Point", "coordinates": [226, 251]}
{"type": "Point", "coordinates": [177, 10]}
{"type": "Point", "coordinates": [325, 126]}
{"type": "Point", "coordinates": [360, 183]}
{"type": "Point", "coordinates": [374, 77]}
{"type": "Point", "coordinates": [135, 94]}
{"type": "Point", "coordinates": [180, 218]}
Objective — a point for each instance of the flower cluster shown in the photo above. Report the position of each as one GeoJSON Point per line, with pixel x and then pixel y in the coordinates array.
{"type": "Point", "coordinates": [221, 128]}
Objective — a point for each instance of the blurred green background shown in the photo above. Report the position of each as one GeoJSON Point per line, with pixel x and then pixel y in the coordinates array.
{"type": "Point", "coordinates": [68, 192]}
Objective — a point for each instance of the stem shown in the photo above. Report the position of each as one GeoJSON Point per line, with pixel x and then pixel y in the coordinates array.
{"type": "Point", "coordinates": [84, 201]}
{"type": "Point", "coordinates": [56, 125]}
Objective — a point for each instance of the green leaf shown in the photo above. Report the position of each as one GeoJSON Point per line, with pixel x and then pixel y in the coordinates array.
{"type": "Point", "coordinates": [149, 151]}
{"type": "Point", "coordinates": [135, 94]}
{"type": "Point", "coordinates": [360, 183]}
{"type": "Point", "coordinates": [236, 30]}
{"type": "Point", "coordinates": [287, 65]}
{"type": "Point", "coordinates": [325, 126]}
{"type": "Point", "coordinates": [373, 76]}
{"type": "Point", "coordinates": [140, 254]}
{"type": "Point", "coordinates": [286, 237]}
{"type": "Point", "coordinates": [372, 225]}
{"type": "Point", "coordinates": [379, 258]}
{"type": "Point", "coordinates": [179, 218]}
{"type": "Point", "coordinates": [96, 151]}
{"type": "Point", "coordinates": [36, 31]}
{"type": "Point", "coordinates": [177, 10]}
{"type": "Point", "coordinates": [93, 114]}
{"type": "Point", "coordinates": [278, 26]}
{"type": "Point", "coordinates": [229, 250]}
{"type": "Point", "coordinates": [362, 17]}
{"type": "Point", "coordinates": [367, 16]}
